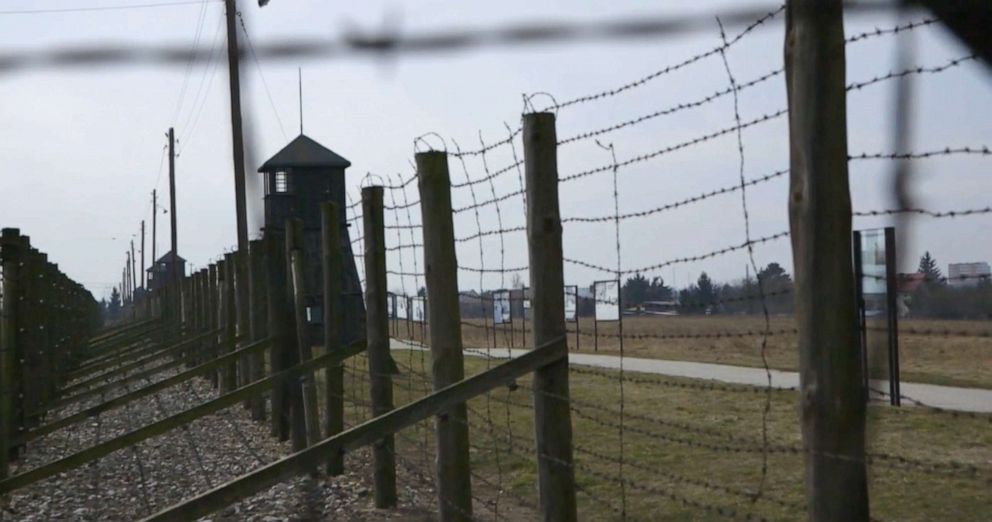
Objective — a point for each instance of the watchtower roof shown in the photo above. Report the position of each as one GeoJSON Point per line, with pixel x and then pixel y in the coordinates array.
{"type": "Point", "coordinates": [304, 152]}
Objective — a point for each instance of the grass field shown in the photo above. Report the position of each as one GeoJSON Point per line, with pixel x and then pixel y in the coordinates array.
{"type": "Point", "coordinates": [689, 451]}
{"type": "Point", "coordinates": [938, 352]}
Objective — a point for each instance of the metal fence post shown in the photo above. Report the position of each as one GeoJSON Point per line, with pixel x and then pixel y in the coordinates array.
{"type": "Point", "coordinates": [447, 360]}
{"type": "Point", "coordinates": [258, 327]}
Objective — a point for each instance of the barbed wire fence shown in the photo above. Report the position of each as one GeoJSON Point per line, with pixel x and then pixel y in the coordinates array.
{"type": "Point", "coordinates": [646, 444]}
{"type": "Point", "coordinates": [611, 474]}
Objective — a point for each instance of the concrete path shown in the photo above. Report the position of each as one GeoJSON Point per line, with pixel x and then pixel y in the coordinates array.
{"type": "Point", "coordinates": [948, 397]}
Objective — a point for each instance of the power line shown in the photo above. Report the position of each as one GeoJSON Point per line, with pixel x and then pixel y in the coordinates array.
{"type": "Point", "coordinates": [102, 8]}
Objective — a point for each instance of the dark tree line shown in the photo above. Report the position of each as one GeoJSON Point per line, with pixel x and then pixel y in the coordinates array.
{"type": "Point", "coordinates": [707, 297]}
{"type": "Point", "coordinates": [939, 298]}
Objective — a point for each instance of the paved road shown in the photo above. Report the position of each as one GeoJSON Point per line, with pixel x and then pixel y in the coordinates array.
{"type": "Point", "coordinates": [948, 397]}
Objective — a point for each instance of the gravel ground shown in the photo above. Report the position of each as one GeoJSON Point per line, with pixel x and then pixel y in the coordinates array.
{"type": "Point", "coordinates": [135, 482]}
{"type": "Point", "coordinates": [142, 479]}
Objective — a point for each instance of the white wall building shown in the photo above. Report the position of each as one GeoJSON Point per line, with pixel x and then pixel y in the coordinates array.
{"type": "Point", "coordinates": [968, 274]}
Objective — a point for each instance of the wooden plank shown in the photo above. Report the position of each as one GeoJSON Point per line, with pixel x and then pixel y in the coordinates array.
{"type": "Point", "coordinates": [447, 361]}
{"type": "Point", "coordinates": [145, 359]}
{"type": "Point", "coordinates": [377, 333]}
{"type": "Point", "coordinates": [255, 347]}
{"type": "Point", "coordinates": [135, 377]}
{"type": "Point", "coordinates": [441, 401]}
{"type": "Point", "coordinates": [833, 396]}
{"type": "Point", "coordinates": [165, 425]}
{"type": "Point", "coordinates": [552, 416]}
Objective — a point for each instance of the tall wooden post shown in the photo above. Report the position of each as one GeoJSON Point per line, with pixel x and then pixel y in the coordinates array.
{"type": "Point", "coordinates": [552, 416]}
{"type": "Point", "coordinates": [229, 375]}
{"type": "Point", "coordinates": [832, 393]}
{"type": "Point", "coordinates": [291, 356]}
{"type": "Point", "coordinates": [454, 482]}
{"type": "Point", "coordinates": [8, 344]}
{"type": "Point", "coordinates": [258, 327]}
{"type": "Point", "coordinates": [134, 271]}
{"type": "Point", "coordinates": [294, 248]}
{"type": "Point", "coordinates": [279, 329]}
{"type": "Point", "coordinates": [334, 373]}
{"type": "Point", "coordinates": [377, 335]}
{"type": "Point", "coordinates": [213, 309]}
{"type": "Point", "coordinates": [174, 283]}
{"type": "Point", "coordinates": [154, 225]}
{"type": "Point", "coordinates": [144, 271]}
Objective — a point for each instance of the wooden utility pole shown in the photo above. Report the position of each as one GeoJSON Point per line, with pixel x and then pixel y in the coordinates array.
{"type": "Point", "coordinates": [154, 221]}
{"type": "Point", "coordinates": [832, 391]}
{"type": "Point", "coordinates": [134, 272]}
{"type": "Point", "coordinates": [552, 415]}
{"type": "Point", "coordinates": [144, 272]}
{"type": "Point", "coordinates": [377, 335]}
{"type": "Point", "coordinates": [240, 269]}
{"type": "Point", "coordinates": [334, 376]}
{"type": "Point", "coordinates": [172, 218]}
{"type": "Point", "coordinates": [234, 77]}
{"type": "Point", "coordinates": [454, 482]}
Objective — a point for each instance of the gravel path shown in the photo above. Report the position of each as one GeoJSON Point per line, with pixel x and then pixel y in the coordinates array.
{"type": "Point", "coordinates": [134, 482]}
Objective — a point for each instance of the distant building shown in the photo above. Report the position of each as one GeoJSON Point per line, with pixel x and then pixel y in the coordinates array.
{"type": "Point", "coordinates": [160, 274]}
{"type": "Point", "coordinates": [968, 274]}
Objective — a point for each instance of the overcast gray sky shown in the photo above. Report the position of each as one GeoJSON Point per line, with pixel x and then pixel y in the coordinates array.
{"type": "Point", "coordinates": [83, 149]}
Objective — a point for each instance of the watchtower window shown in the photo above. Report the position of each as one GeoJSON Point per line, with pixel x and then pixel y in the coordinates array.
{"type": "Point", "coordinates": [281, 183]}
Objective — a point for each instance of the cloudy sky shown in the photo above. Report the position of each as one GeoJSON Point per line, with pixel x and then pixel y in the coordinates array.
{"type": "Point", "coordinates": [83, 148]}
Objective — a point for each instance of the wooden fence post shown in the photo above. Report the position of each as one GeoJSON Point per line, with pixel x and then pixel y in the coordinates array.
{"type": "Point", "coordinates": [258, 327]}
{"type": "Point", "coordinates": [293, 391]}
{"type": "Point", "coordinates": [334, 373]}
{"type": "Point", "coordinates": [213, 309]}
{"type": "Point", "coordinates": [242, 311]}
{"type": "Point", "coordinates": [8, 345]}
{"type": "Point", "coordinates": [229, 372]}
{"type": "Point", "coordinates": [294, 247]}
{"type": "Point", "coordinates": [377, 335]}
{"type": "Point", "coordinates": [454, 482]}
{"type": "Point", "coordinates": [832, 392]}
{"type": "Point", "coordinates": [278, 328]}
{"type": "Point", "coordinates": [552, 415]}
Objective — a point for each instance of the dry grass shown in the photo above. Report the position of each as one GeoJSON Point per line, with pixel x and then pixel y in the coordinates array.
{"type": "Point", "coordinates": [962, 357]}
{"type": "Point", "coordinates": [672, 468]}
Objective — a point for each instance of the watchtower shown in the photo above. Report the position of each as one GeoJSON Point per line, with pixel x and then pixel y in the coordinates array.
{"type": "Point", "coordinates": [298, 179]}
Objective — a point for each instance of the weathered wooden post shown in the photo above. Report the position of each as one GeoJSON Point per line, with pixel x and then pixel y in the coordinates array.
{"type": "Point", "coordinates": [213, 309]}
{"type": "Point", "coordinates": [294, 248]}
{"type": "Point", "coordinates": [454, 482]}
{"type": "Point", "coordinates": [8, 344]}
{"type": "Point", "coordinates": [229, 372]}
{"type": "Point", "coordinates": [334, 372]}
{"type": "Point", "coordinates": [552, 416]}
{"type": "Point", "coordinates": [377, 335]}
{"type": "Point", "coordinates": [242, 318]}
{"type": "Point", "coordinates": [832, 392]}
{"type": "Point", "coordinates": [258, 328]}
{"type": "Point", "coordinates": [291, 355]}
{"type": "Point", "coordinates": [278, 329]}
